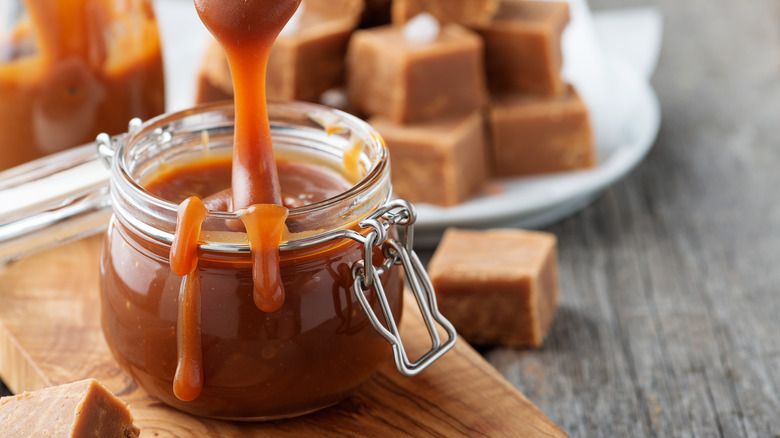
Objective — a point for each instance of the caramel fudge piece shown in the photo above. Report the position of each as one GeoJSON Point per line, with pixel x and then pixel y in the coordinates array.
{"type": "Point", "coordinates": [306, 60]}
{"type": "Point", "coordinates": [440, 162]}
{"type": "Point", "coordinates": [532, 135]}
{"type": "Point", "coordinates": [467, 12]}
{"type": "Point", "coordinates": [304, 64]}
{"type": "Point", "coordinates": [80, 409]}
{"type": "Point", "coordinates": [411, 82]}
{"type": "Point", "coordinates": [523, 47]}
{"type": "Point", "coordinates": [497, 286]}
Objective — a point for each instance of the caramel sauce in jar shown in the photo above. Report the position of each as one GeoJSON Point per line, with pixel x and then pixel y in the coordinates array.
{"type": "Point", "coordinates": [319, 346]}
{"type": "Point", "coordinates": [70, 70]}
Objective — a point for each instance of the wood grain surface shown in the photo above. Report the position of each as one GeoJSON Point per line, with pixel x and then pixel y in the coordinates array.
{"type": "Point", "coordinates": [50, 334]}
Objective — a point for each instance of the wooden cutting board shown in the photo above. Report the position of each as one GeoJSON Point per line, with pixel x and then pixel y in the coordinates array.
{"type": "Point", "coordinates": [50, 334]}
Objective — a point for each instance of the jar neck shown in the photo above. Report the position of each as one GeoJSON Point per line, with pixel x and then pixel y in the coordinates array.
{"type": "Point", "coordinates": [306, 131]}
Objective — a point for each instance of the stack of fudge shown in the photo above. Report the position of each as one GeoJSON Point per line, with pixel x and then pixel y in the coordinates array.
{"type": "Point", "coordinates": [483, 99]}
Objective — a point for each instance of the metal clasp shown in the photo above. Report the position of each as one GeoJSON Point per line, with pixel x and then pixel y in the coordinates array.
{"type": "Point", "coordinates": [106, 144]}
{"type": "Point", "coordinates": [367, 276]}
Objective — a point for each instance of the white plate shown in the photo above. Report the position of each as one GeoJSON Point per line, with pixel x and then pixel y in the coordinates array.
{"type": "Point", "coordinates": [533, 202]}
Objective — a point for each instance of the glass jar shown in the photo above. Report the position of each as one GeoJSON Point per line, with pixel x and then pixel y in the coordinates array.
{"type": "Point", "coordinates": [71, 70]}
{"type": "Point", "coordinates": [339, 265]}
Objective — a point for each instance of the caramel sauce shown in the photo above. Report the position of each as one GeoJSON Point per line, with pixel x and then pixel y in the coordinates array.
{"type": "Point", "coordinates": [312, 352]}
{"type": "Point", "coordinates": [207, 176]}
{"type": "Point", "coordinates": [247, 31]}
{"type": "Point", "coordinates": [264, 224]}
{"type": "Point", "coordinates": [184, 249]}
{"type": "Point", "coordinates": [70, 70]}
{"type": "Point", "coordinates": [188, 381]}
{"type": "Point", "coordinates": [225, 349]}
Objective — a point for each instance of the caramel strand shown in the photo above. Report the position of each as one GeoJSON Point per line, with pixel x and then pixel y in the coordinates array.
{"type": "Point", "coordinates": [188, 380]}
{"type": "Point", "coordinates": [246, 31]}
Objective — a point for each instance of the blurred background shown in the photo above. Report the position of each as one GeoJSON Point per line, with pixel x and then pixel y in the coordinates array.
{"type": "Point", "coordinates": [668, 323]}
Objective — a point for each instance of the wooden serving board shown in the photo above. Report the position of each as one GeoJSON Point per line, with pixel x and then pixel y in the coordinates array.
{"type": "Point", "coordinates": [50, 334]}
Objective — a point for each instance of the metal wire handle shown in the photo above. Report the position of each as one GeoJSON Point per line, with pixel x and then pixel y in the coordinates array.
{"type": "Point", "coordinates": [366, 276]}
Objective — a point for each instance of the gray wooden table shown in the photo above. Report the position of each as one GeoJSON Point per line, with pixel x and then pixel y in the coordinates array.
{"type": "Point", "coordinates": [669, 324]}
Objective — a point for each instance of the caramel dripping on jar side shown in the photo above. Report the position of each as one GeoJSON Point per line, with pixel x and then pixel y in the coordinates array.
{"type": "Point", "coordinates": [264, 225]}
{"type": "Point", "coordinates": [188, 380]}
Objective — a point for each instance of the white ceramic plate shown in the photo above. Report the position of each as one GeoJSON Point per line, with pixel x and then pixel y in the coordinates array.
{"type": "Point", "coordinates": [533, 202]}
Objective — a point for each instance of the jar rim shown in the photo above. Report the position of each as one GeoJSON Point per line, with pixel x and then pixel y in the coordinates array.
{"type": "Point", "coordinates": [379, 168]}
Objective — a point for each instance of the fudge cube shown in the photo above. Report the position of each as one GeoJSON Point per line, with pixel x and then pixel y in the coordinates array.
{"type": "Point", "coordinates": [537, 135]}
{"type": "Point", "coordinates": [442, 162]}
{"type": "Point", "coordinates": [523, 47]}
{"type": "Point", "coordinates": [411, 82]}
{"type": "Point", "coordinates": [466, 12]}
{"type": "Point", "coordinates": [497, 286]}
{"type": "Point", "coordinates": [306, 60]}
{"type": "Point", "coordinates": [80, 409]}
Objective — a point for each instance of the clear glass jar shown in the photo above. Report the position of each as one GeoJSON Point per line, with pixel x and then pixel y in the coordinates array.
{"type": "Point", "coordinates": [71, 70]}
{"type": "Point", "coordinates": [339, 266]}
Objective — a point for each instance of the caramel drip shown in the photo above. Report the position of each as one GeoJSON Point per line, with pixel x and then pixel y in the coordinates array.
{"type": "Point", "coordinates": [184, 249]}
{"type": "Point", "coordinates": [188, 381]}
{"type": "Point", "coordinates": [264, 227]}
